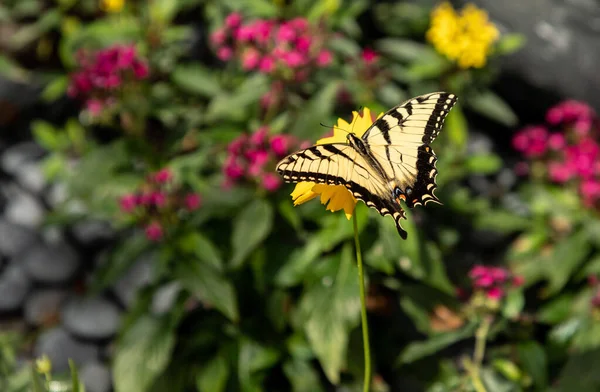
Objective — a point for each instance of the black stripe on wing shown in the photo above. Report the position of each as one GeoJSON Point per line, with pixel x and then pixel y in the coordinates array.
{"type": "Point", "coordinates": [424, 187]}
{"type": "Point", "coordinates": [378, 202]}
{"type": "Point", "coordinates": [437, 105]}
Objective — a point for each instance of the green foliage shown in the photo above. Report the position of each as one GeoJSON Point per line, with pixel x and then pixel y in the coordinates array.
{"type": "Point", "coordinates": [268, 292]}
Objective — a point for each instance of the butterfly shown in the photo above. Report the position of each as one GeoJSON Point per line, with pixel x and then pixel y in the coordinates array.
{"type": "Point", "coordinates": [392, 161]}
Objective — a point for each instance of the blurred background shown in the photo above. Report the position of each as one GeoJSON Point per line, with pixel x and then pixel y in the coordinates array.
{"type": "Point", "coordinates": [147, 244]}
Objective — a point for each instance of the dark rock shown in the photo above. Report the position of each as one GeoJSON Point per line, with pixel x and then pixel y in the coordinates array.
{"type": "Point", "coordinates": [92, 232]}
{"type": "Point", "coordinates": [18, 155]}
{"type": "Point", "coordinates": [51, 263]}
{"type": "Point", "coordinates": [479, 143]}
{"type": "Point", "coordinates": [23, 208]}
{"type": "Point", "coordinates": [96, 377]}
{"type": "Point", "coordinates": [562, 51]}
{"type": "Point", "coordinates": [31, 177]}
{"type": "Point", "coordinates": [60, 346]}
{"type": "Point", "coordinates": [139, 275]}
{"type": "Point", "coordinates": [43, 306]}
{"type": "Point", "coordinates": [14, 238]}
{"type": "Point", "coordinates": [91, 318]}
{"type": "Point", "coordinates": [14, 286]}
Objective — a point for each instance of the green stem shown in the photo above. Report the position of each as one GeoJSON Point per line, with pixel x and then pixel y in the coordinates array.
{"type": "Point", "coordinates": [363, 308]}
{"type": "Point", "coordinates": [480, 340]}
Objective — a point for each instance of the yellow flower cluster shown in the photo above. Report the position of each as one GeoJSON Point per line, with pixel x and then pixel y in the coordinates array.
{"type": "Point", "coordinates": [112, 5]}
{"type": "Point", "coordinates": [465, 38]}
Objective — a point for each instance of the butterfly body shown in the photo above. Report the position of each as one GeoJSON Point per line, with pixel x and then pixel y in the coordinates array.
{"type": "Point", "coordinates": [391, 162]}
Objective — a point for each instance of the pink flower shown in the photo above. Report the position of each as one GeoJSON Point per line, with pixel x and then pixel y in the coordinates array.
{"type": "Point", "coordinates": [499, 274]}
{"type": "Point", "coordinates": [583, 126]}
{"type": "Point", "coordinates": [369, 56]}
{"type": "Point", "coordinates": [140, 69]}
{"type": "Point", "coordinates": [484, 281]}
{"type": "Point", "coordinates": [154, 231]}
{"type": "Point", "coordinates": [192, 201]}
{"type": "Point", "coordinates": [125, 57]}
{"type": "Point", "coordinates": [271, 182]}
{"type": "Point", "coordinates": [596, 300]}
{"type": "Point", "coordinates": [590, 189]}
{"type": "Point", "coordinates": [159, 199]}
{"type": "Point", "coordinates": [267, 64]}
{"type": "Point", "coordinates": [554, 116]}
{"type": "Point", "coordinates": [279, 145]}
{"type": "Point", "coordinates": [233, 20]}
{"type": "Point", "coordinates": [128, 202]}
{"type": "Point", "coordinates": [303, 44]}
{"type": "Point", "coordinates": [94, 106]}
{"type": "Point", "coordinates": [235, 147]}
{"type": "Point", "coordinates": [145, 199]}
{"type": "Point", "coordinates": [556, 141]}
{"type": "Point", "coordinates": [258, 156]}
{"type": "Point", "coordinates": [518, 281]}
{"type": "Point", "coordinates": [478, 271]}
{"type": "Point", "coordinates": [520, 141]}
{"type": "Point", "coordinates": [250, 59]}
{"type": "Point", "coordinates": [233, 170]}
{"type": "Point", "coordinates": [262, 30]}
{"type": "Point", "coordinates": [592, 280]}
{"type": "Point", "coordinates": [324, 58]}
{"type": "Point", "coordinates": [244, 33]}
{"type": "Point", "coordinates": [293, 59]}
{"type": "Point", "coordinates": [285, 33]}
{"type": "Point", "coordinates": [218, 37]}
{"type": "Point", "coordinates": [495, 293]}
{"type": "Point", "coordinates": [300, 24]}
{"type": "Point", "coordinates": [259, 137]}
{"type": "Point", "coordinates": [163, 176]}
{"type": "Point", "coordinates": [224, 53]}
{"type": "Point", "coordinates": [559, 172]}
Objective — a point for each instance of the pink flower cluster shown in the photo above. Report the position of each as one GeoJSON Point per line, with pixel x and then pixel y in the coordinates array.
{"type": "Point", "coordinates": [593, 282]}
{"type": "Point", "coordinates": [103, 72]}
{"type": "Point", "coordinates": [155, 201]}
{"type": "Point", "coordinates": [569, 148]}
{"type": "Point", "coordinates": [251, 158]}
{"type": "Point", "coordinates": [493, 280]}
{"type": "Point", "coordinates": [269, 46]}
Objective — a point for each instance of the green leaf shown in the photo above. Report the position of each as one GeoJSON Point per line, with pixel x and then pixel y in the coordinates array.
{"type": "Point", "coordinates": [205, 281]}
{"type": "Point", "coordinates": [233, 105]}
{"type": "Point", "coordinates": [119, 261]}
{"type": "Point", "coordinates": [302, 376]}
{"type": "Point", "coordinates": [557, 310]}
{"type": "Point", "coordinates": [198, 245]}
{"type": "Point", "coordinates": [509, 43]}
{"type": "Point", "coordinates": [513, 304]}
{"type": "Point", "coordinates": [405, 50]}
{"type": "Point", "coordinates": [565, 259]}
{"type": "Point", "coordinates": [12, 70]}
{"type": "Point", "coordinates": [533, 361]}
{"type": "Point", "coordinates": [580, 373]}
{"type": "Point", "coordinates": [250, 228]}
{"type": "Point", "coordinates": [317, 110]}
{"type": "Point", "coordinates": [30, 32]}
{"type": "Point", "coordinates": [330, 310]}
{"type": "Point", "coordinates": [456, 127]}
{"type": "Point", "coordinates": [502, 221]}
{"type": "Point", "coordinates": [213, 376]}
{"type": "Point", "coordinates": [252, 359]}
{"type": "Point", "coordinates": [483, 163]}
{"type": "Point", "coordinates": [421, 349]}
{"type": "Point", "coordinates": [196, 79]}
{"type": "Point", "coordinates": [492, 106]}
{"type": "Point", "coordinates": [35, 380]}
{"type": "Point", "coordinates": [45, 135]}
{"type": "Point", "coordinates": [55, 89]}
{"type": "Point", "coordinates": [75, 384]}
{"type": "Point", "coordinates": [142, 354]}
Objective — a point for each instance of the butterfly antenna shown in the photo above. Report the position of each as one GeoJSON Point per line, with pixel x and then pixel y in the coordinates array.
{"type": "Point", "coordinates": [334, 127]}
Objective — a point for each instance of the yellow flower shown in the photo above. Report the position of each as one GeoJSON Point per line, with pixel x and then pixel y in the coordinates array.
{"type": "Point", "coordinates": [337, 197]}
{"type": "Point", "coordinates": [466, 38]}
{"type": "Point", "coordinates": [112, 5]}
{"type": "Point", "coordinates": [43, 364]}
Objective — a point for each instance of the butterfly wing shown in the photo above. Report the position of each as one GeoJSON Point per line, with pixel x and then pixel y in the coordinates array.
{"type": "Point", "coordinates": [341, 164]}
{"type": "Point", "coordinates": [400, 141]}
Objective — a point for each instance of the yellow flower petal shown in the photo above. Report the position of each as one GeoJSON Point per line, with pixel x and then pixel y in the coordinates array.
{"type": "Point", "coordinates": [465, 38]}
{"type": "Point", "coordinates": [335, 197]}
